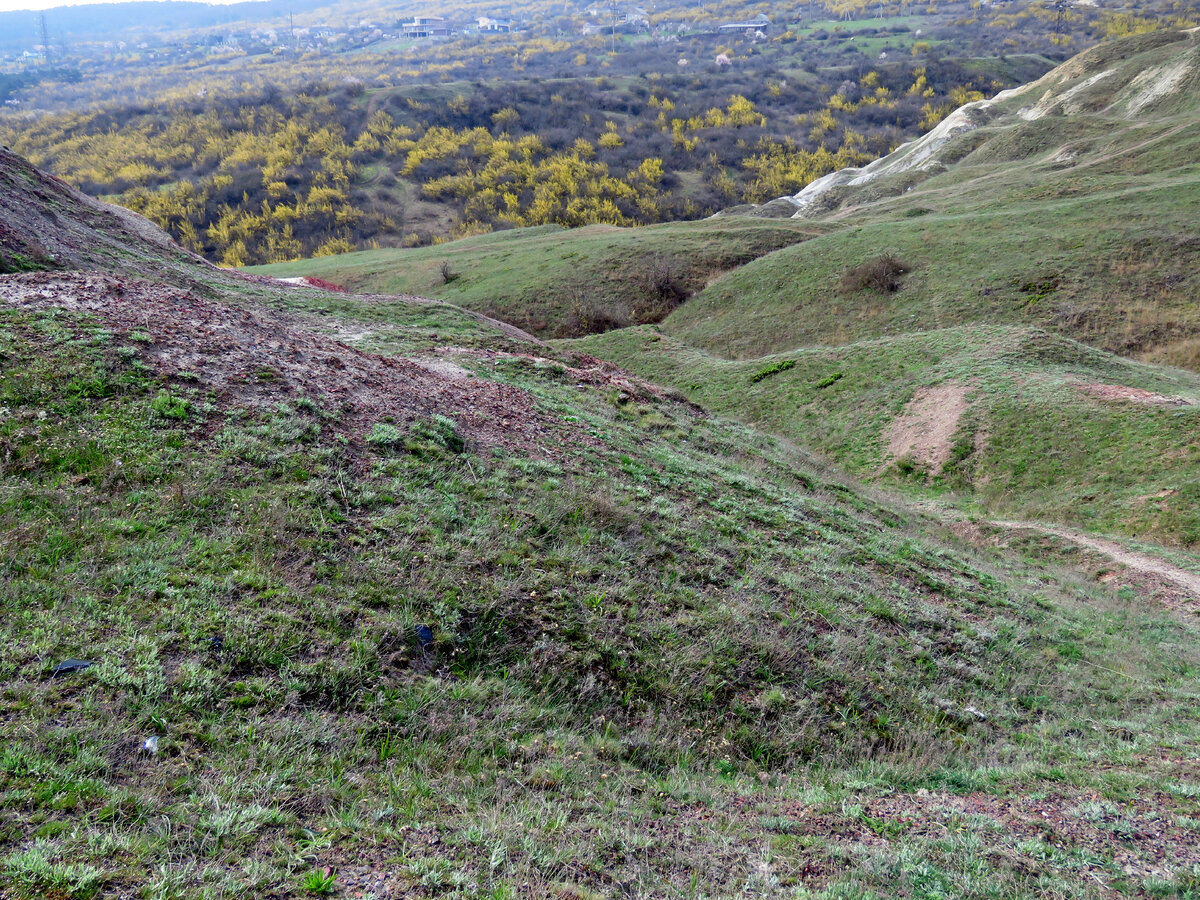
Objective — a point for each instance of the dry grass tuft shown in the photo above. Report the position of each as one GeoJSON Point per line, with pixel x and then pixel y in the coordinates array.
{"type": "Point", "coordinates": [881, 274]}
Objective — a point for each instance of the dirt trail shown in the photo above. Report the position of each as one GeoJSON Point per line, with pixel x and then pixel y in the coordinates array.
{"type": "Point", "coordinates": [1138, 562]}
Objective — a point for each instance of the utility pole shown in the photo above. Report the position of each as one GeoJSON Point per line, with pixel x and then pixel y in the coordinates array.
{"type": "Point", "coordinates": [45, 40]}
{"type": "Point", "coordinates": [613, 9]}
{"type": "Point", "coordinates": [1060, 7]}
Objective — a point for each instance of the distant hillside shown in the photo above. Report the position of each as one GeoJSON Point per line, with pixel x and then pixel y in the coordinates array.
{"type": "Point", "coordinates": [130, 21]}
{"type": "Point", "coordinates": [1069, 203]}
{"type": "Point", "coordinates": [559, 283]}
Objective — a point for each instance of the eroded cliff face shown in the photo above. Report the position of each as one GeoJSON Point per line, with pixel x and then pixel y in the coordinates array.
{"type": "Point", "coordinates": [47, 224]}
{"type": "Point", "coordinates": [1110, 90]}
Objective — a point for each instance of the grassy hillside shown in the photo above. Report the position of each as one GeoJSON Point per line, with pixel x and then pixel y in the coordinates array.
{"type": "Point", "coordinates": [639, 616]}
{"type": "Point", "coordinates": [1070, 204]}
{"type": "Point", "coordinates": [1006, 421]}
{"type": "Point", "coordinates": [470, 617]}
{"type": "Point", "coordinates": [1061, 213]}
{"type": "Point", "coordinates": [1115, 268]}
{"type": "Point", "coordinates": [1037, 231]}
{"type": "Point", "coordinates": [551, 281]}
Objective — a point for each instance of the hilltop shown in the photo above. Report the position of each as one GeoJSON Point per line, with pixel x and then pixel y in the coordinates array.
{"type": "Point", "coordinates": [381, 596]}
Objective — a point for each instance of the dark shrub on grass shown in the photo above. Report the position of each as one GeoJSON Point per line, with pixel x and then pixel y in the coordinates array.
{"type": "Point", "coordinates": [881, 274]}
{"type": "Point", "coordinates": [663, 288]}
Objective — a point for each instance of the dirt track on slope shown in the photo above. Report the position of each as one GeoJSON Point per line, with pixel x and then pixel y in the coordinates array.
{"type": "Point", "coordinates": [1143, 563]}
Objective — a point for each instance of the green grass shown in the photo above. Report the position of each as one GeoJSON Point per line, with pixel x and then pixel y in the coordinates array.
{"type": "Point", "coordinates": [15, 263]}
{"type": "Point", "coordinates": [1047, 449]}
{"type": "Point", "coordinates": [1122, 270]}
{"type": "Point", "coordinates": [679, 624]}
{"type": "Point", "coordinates": [672, 655]}
{"type": "Point", "coordinates": [551, 281]}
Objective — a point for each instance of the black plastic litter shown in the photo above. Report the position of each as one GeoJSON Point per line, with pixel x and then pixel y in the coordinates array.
{"type": "Point", "coordinates": [215, 643]}
{"type": "Point", "coordinates": [67, 666]}
{"type": "Point", "coordinates": [425, 636]}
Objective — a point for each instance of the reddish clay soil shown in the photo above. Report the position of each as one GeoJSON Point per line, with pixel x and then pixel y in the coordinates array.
{"type": "Point", "coordinates": [256, 357]}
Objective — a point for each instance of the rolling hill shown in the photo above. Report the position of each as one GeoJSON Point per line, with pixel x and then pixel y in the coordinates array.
{"type": "Point", "coordinates": [307, 592]}
{"type": "Point", "coordinates": [1039, 230]}
{"type": "Point", "coordinates": [1069, 204]}
{"type": "Point", "coordinates": [1046, 258]}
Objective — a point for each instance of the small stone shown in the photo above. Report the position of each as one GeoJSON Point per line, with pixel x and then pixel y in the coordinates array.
{"type": "Point", "coordinates": [68, 666]}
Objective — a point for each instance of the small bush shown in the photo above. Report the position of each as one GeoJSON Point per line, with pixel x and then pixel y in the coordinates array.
{"type": "Point", "coordinates": [774, 369]}
{"type": "Point", "coordinates": [881, 274]}
{"type": "Point", "coordinates": [829, 379]}
{"type": "Point", "coordinates": [663, 287]}
{"type": "Point", "coordinates": [319, 881]}
{"type": "Point", "coordinates": [587, 316]}
{"type": "Point", "coordinates": [1038, 289]}
{"type": "Point", "coordinates": [448, 274]}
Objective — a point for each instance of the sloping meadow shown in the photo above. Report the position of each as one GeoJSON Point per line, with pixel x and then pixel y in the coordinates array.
{"type": "Point", "coordinates": [441, 660]}
{"type": "Point", "coordinates": [1047, 428]}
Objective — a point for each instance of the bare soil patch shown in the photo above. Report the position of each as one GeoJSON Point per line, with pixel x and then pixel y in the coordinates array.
{"type": "Point", "coordinates": [1133, 395]}
{"type": "Point", "coordinates": [256, 357]}
{"type": "Point", "coordinates": [925, 430]}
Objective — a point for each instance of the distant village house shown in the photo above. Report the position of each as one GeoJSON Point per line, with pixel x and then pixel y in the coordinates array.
{"type": "Point", "coordinates": [488, 25]}
{"type": "Point", "coordinates": [762, 23]}
{"type": "Point", "coordinates": [425, 27]}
